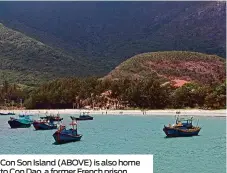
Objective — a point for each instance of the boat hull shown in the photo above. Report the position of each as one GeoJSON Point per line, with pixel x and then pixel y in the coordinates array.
{"type": "Point", "coordinates": [52, 118]}
{"type": "Point", "coordinates": [65, 138]}
{"type": "Point", "coordinates": [84, 119]}
{"type": "Point", "coordinates": [7, 114]}
{"type": "Point", "coordinates": [17, 124]}
{"type": "Point", "coordinates": [174, 132]}
{"type": "Point", "coordinates": [43, 126]}
{"type": "Point", "coordinates": [11, 114]}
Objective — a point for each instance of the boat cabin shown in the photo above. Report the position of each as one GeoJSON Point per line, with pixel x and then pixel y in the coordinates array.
{"type": "Point", "coordinates": [84, 114]}
{"type": "Point", "coordinates": [184, 122]}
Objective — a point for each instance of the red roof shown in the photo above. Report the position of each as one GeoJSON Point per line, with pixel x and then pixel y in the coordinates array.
{"type": "Point", "coordinates": [179, 83]}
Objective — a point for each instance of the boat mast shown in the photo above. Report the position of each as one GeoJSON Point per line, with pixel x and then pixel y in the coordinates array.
{"type": "Point", "coordinates": [73, 124]}
{"type": "Point", "coordinates": [177, 116]}
{"type": "Point", "coordinates": [76, 127]}
{"type": "Point", "coordinates": [197, 122]}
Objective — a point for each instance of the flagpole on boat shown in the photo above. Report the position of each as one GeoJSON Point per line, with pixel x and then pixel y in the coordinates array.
{"type": "Point", "coordinates": [76, 127]}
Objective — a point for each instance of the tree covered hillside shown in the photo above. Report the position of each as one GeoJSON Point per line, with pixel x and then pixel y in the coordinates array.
{"type": "Point", "coordinates": [107, 33]}
{"type": "Point", "coordinates": [172, 65]}
{"type": "Point", "coordinates": [28, 61]}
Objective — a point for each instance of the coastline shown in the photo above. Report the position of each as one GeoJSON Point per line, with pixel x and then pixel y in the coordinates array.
{"type": "Point", "coordinates": [166, 112]}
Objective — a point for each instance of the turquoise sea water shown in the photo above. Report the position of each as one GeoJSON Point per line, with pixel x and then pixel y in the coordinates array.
{"type": "Point", "coordinates": [129, 135]}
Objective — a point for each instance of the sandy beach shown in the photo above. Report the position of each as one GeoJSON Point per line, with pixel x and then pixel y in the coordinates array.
{"type": "Point", "coordinates": [167, 112]}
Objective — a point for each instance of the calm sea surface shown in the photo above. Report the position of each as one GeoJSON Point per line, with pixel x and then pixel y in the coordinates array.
{"type": "Point", "coordinates": [129, 135]}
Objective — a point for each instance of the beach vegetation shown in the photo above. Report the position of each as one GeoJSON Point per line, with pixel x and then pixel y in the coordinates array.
{"type": "Point", "coordinates": [123, 94]}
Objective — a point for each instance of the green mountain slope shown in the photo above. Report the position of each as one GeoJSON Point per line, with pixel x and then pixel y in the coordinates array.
{"type": "Point", "coordinates": [107, 33]}
{"type": "Point", "coordinates": [172, 65]}
{"type": "Point", "coordinates": [26, 60]}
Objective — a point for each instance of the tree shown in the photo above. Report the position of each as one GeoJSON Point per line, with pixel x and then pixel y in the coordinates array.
{"type": "Point", "coordinates": [217, 98]}
{"type": "Point", "coordinates": [185, 96]}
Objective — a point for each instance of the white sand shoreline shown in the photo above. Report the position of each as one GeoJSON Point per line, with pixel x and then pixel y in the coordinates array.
{"type": "Point", "coordinates": [167, 112]}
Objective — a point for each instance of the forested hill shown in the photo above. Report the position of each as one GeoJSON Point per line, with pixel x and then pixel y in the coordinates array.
{"type": "Point", "coordinates": [104, 34]}
{"type": "Point", "coordinates": [171, 66]}
{"type": "Point", "coordinates": [28, 61]}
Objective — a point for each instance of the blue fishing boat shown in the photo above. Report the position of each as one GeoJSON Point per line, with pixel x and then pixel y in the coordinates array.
{"type": "Point", "coordinates": [182, 128]}
{"type": "Point", "coordinates": [62, 135]}
{"type": "Point", "coordinates": [52, 118]}
{"type": "Point", "coordinates": [47, 123]}
{"type": "Point", "coordinates": [83, 117]}
{"type": "Point", "coordinates": [24, 121]}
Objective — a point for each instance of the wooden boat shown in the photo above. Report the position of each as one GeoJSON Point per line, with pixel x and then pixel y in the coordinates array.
{"type": "Point", "coordinates": [52, 118]}
{"type": "Point", "coordinates": [44, 125]}
{"type": "Point", "coordinates": [23, 121]}
{"type": "Point", "coordinates": [62, 135]}
{"type": "Point", "coordinates": [47, 123]}
{"type": "Point", "coordinates": [83, 117]}
{"type": "Point", "coordinates": [182, 128]}
{"type": "Point", "coordinates": [9, 113]}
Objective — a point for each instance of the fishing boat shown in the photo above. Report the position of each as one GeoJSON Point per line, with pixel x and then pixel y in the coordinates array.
{"type": "Point", "coordinates": [182, 128]}
{"type": "Point", "coordinates": [24, 121]}
{"type": "Point", "coordinates": [9, 113]}
{"type": "Point", "coordinates": [83, 117]}
{"type": "Point", "coordinates": [52, 118]}
{"type": "Point", "coordinates": [62, 135]}
{"type": "Point", "coordinates": [44, 124]}
{"type": "Point", "coordinates": [47, 122]}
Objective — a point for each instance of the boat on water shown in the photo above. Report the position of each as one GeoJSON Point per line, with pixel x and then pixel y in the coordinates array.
{"type": "Point", "coordinates": [9, 113]}
{"type": "Point", "coordinates": [183, 127]}
{"type": "Point", "coordinates": [24, 121]}
{"type": "Point", "coordinates": [83, 117]}
{"type": "Point", "coordinates": [52, 118]}
{"type": "Point", "coordinates": [44, 124]}
{"type": "Point", "coordinates": [62, 135]}
{"type": "Point", "coordinates": [47, 122]}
